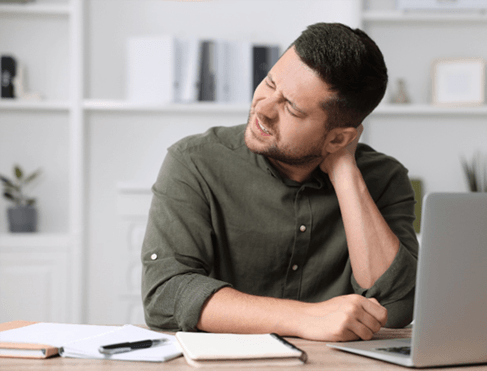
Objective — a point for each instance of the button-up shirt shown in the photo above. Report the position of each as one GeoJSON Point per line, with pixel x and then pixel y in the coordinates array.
{"type": "Point", "coordinates": [221, 215]}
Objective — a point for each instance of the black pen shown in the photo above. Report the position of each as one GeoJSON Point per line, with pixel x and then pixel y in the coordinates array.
{"type": "Point", "coordinates": [127, 347]}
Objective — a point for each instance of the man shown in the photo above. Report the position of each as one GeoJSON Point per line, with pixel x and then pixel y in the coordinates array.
{"type": "Point", "coordinates": [286, 225]}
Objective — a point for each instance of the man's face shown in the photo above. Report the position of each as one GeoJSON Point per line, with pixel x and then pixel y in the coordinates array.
{"type": "Point", "coordinates": [286, 122]}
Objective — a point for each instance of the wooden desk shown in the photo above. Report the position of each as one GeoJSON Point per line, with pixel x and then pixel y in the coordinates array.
{"type": "Point", "coordinates": [320, 357]}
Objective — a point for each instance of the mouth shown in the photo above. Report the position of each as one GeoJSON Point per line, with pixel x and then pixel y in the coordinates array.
{"type": "Point", "coordinates": [261, 128]}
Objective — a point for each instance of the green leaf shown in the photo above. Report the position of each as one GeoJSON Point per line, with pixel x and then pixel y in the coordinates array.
{"type": "Point", "coordinates": [32, 176]}
{"type": "Point", "coordinates": [6, 181]}
{"type": "Point", "coordinates": [9, 196]}
{"type": "Point", "coordinates": [18, 172]}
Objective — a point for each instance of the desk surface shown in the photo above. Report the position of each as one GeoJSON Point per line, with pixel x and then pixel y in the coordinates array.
{"type": "Point", "coordinates": [320, 357]}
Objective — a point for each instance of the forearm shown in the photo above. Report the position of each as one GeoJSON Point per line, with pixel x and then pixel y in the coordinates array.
{"type": "Point", "coordinates": [371, 243]}
{"type": "Point", "coordinates": [342, 318]}
{"type": "Point", "coordinates": [229, 310]}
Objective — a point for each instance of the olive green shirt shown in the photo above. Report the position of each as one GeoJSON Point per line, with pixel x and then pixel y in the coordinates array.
{"type": "Point", "coordinates": [223, 216]}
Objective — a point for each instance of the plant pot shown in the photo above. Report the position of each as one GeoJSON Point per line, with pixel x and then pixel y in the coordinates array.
{"type": "Point", "coordinates": [22, 219]}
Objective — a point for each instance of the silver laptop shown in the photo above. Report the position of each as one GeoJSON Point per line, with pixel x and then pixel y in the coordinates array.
{"type": "Point", "coordinates": [450, 308]}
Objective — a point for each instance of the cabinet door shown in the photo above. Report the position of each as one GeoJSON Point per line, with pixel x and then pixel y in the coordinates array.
{"type": "Point", "coordinates": [33, 285]}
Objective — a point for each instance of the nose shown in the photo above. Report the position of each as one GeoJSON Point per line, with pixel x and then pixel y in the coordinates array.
{"type": "Point", "coordinates": [266, 107]}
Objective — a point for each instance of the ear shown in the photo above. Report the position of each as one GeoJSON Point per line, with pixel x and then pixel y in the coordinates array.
{"type": "Point", "coordinates": [339, 138]}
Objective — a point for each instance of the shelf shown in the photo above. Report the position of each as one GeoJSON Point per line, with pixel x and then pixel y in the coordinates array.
{"type": "Point", "coordinates": [428, 110]}
{"type": "Point", "coordinates": [13, 104]}
{"type": "Point", "coordinates": [34, 240]}
{"type": "Point", "coordinates": [36, 9]}
{"type": "Point", "coordinates": [424, 16]}
{"type": "Point", "coordinates": [125, 106]}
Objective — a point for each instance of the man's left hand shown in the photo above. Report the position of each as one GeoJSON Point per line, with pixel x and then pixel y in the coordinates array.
{"type": "Point", "coordinates": [343, 158]}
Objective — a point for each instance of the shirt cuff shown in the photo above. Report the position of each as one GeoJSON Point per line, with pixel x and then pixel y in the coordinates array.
{"type": "Point", "coordinates": [192, 295]}
{"type": "Point", "coordinates": [396, 282]}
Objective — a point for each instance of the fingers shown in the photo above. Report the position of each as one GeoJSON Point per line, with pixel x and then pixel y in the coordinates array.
{"type": "Point", "coordinates": [363, 318]}
{"type": "Point", "coordinates": [345, 318]}
{"type": "Point", "coordinates": [373, 307]}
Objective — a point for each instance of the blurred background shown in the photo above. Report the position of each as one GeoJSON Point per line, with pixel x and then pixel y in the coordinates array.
{"type": "Point", "coordinates": [99, 150]}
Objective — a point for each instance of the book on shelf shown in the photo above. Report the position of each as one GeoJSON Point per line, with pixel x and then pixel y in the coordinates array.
{"type": "Point", "coordinates": [236, 350]}
{"type": "Point", "coordinates": [167, 69]}
{"type": "Point", "coordinates": [23, 339]}
{"type": "Point", "coordinates": [151, 69]}
{"type": "Point", "coordinates": [188, 56]}
{"type": "Point", "coordinates": [8, 66]}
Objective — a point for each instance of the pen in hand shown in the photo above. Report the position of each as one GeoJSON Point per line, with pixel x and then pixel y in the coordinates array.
{"type": "Point", "coordinates": [127, 347]}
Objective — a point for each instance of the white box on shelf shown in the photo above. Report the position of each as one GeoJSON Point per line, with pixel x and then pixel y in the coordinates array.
{"type": "Point", "coordinates": [441, 4]}
{"type": "Point", "coordinates": [151, 69]}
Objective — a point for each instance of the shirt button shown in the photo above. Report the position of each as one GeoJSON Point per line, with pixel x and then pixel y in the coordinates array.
{"type": "Point", "coordinates": [295, 267]}
{"type": "Point", "coordinates": [302, 228]}
{"type": "Point", "coordinates": [153, 256]}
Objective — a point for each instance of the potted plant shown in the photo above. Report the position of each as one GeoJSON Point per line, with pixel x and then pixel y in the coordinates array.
{"type": "Point", "coordinates": [22, 216]}
{"type": "Point", "coordinates": [476, 173]}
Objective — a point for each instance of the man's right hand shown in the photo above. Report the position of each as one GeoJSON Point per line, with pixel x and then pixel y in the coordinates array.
{"type": "Point", "coordinates": [343, 318]}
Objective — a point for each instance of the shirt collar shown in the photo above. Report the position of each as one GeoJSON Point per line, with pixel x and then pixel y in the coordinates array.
{"type": "Point", "coordinates": [318, 180]}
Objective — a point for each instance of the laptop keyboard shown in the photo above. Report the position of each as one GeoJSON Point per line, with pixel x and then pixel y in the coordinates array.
{"type": "Point", "coordinates": [401, 350]}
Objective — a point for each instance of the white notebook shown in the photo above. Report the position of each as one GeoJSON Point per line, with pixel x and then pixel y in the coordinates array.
{"type": "Point", "coordinates": [213, 350]}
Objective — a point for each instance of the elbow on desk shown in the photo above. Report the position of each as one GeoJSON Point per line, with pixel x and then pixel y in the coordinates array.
{"type": "Point", "coordinates": [400, 313]}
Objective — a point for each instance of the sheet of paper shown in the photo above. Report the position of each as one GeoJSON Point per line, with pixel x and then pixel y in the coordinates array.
{"type": "Point", "coordinates": [55, 334]}
{"type": "Point", "coordinates": [88, 348]}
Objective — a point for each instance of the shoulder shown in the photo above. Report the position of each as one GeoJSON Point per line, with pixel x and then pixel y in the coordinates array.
{"type": "Point", "coordinates": [371, 162]}
{"type": "Point", "coordinates": [383, 174]}
{"type": "Point", "coordinates": [215, 139]}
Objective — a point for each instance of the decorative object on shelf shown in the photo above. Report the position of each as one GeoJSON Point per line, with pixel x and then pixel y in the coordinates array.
{"type": "Point", "coordinates": [400, 95]}
{"type": "Point", "coordinates": [459, 82]}
{"type": "Point", "coordinates": [8, 66]}
{"type": "Point", "coordinates": [476, 172]}
{"type": "Point", "coordinates": [441, 4]}
{"type": "Point", "coordinates": [13, 80]}
{"type": "Point", "coordinates": [20, 86]}
{"type": "Point", "coordinates": [23, 216]}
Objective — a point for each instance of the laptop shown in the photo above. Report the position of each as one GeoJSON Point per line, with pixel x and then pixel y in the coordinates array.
{"type": "Point", "coordinates": [450, 308]}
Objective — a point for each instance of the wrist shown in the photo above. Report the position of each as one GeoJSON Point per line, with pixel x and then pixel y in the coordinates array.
{"type": "Point", "coordinates": [344, 173]}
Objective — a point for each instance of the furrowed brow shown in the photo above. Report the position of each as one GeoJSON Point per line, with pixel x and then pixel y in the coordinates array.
{"type": "Point", "coordinates": [294, 105]}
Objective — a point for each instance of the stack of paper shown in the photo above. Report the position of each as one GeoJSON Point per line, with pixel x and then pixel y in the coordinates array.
{"type": "Point", "coordinates": [83, 341]}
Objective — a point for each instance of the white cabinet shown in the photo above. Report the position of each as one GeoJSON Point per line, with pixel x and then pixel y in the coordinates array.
{"type": "Point", "coordinates": [34, 282]}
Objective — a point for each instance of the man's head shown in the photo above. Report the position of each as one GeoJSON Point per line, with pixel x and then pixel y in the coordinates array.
{"type": "Point", "coordinates": [310, 103]}
{"type": "Point", "coordinates": [351, 65]}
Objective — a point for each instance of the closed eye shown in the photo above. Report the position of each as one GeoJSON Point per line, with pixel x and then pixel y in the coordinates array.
{"type": "Point", "coordinates": [269, 84]}
{"type": "Point", "coordinates": [291, 112]}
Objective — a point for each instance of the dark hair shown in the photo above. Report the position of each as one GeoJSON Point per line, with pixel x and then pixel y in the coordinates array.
{"type": "Point", "coordinates": [351, 64]}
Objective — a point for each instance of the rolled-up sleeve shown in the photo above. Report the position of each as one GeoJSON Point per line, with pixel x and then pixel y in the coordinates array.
{"type": "Point", "coordinates": [395, 288]}
{"type": "Point", "coordinates": [177, 253]}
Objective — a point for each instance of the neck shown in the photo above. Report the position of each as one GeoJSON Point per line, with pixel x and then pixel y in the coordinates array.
{"type": "Point", "coordinates": [298, 173]}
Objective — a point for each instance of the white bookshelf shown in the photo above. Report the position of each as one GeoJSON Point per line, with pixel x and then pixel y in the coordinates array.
{"type": "Point", "coordinates": [428, 110]}
{"type": "Point", "coordinates": [193, 108]}
{"type": "Point", "coordinates": [56, 119]}
{"type": "Point", "coordinates": [40, 9]}
{"type": "Point", "coordinates": [423, 16]}
{"type": "Point", "coordinates": [16, 105]}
